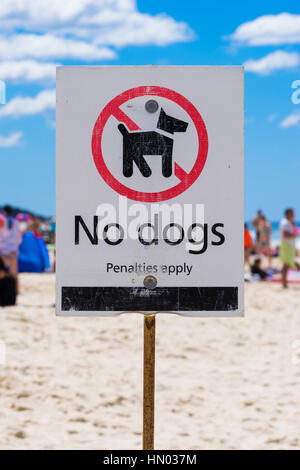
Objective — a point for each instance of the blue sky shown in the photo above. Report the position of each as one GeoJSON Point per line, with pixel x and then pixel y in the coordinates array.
{"type": "Point", "coordinates": [263, 35]}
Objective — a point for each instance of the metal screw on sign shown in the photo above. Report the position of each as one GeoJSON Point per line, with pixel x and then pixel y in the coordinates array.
{"type": "Point", "coordinates": [150, 282]}
{"type": "Point", "coordinates": [151, 106]}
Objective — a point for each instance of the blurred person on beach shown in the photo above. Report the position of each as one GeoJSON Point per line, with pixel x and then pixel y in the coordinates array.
{"type": "Point", "coordinates": [35, 226]}
{"type": "Point", "coordinates": [255, 222]}
{"type": "Point", "coordinates": [248, 244]}
{"type": "Point", "coordinates": [8, 291]}
{"type": "Point", "coordinates": [2, 225]}
{"type": "Point", "coordinates": [264, 244]}
{"type": "Point", "coordinates": [52, 224]}
{"type": "Point", "coordinates": [23, 218]}
{"type": "Point", "coordinates": [10, 240]}
{"type": "Point", "coordinates": [288, 235]}
{"type": "Point", "coordinates": [257, 270]}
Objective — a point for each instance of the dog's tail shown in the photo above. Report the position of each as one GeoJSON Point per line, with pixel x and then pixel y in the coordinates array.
{"type": "Point", "coordinates": [123, 129]}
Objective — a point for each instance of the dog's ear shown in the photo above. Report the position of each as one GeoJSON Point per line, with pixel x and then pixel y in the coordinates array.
{"type": "Point", "coordinates": [162, 120]}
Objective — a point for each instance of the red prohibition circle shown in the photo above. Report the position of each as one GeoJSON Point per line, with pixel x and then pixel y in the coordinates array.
{"type": "Point", "coordinates": [113, 109]}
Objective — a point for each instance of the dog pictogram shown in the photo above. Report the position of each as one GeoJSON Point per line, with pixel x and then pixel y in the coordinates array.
{"type": "Point", "coordinates": [185, 173]}
{"type": "Point", "coordinates": [138, 144]}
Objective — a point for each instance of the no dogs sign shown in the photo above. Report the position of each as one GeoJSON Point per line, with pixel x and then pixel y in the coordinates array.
{"type": "Point", "coordinates": [150, 190]}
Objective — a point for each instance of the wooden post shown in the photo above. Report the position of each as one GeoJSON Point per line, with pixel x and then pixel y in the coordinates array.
{"type": "Point", "coordinates": [149, 382]}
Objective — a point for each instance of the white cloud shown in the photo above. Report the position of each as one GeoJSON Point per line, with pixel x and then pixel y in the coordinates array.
{"type": "Point", "coordinates": [24, 46]}
{"type": "Point", "coordinates": [283, 28]}
{"type": "Point", "coordinates": [12, 140]}
{"type": "Point", "coordinates": [27, 70]}
{"type": "Point", "coordinates": [77, 28]}
{"type": "Point", "coordinates": [290, 121]}
{"type": "Point", "coordinates": [141, 29]}
{"type": "Point", "coordinates": [26, 106]}
{"type": "Point", "coordinates": [45, 14]}
{"type": "Point", "coordinates": [278, 60]}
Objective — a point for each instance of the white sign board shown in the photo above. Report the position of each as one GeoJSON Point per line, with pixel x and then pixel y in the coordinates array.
{"type": "Point", "coordinates": [150, 190]}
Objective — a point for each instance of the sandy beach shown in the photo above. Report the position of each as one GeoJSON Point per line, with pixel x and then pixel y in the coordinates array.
{"type": "Point", "coordinates": [71, 383]}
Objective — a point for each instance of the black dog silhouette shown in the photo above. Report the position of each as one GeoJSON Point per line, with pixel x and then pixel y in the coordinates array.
{"type": "Point", "coordinates": [138, 144]}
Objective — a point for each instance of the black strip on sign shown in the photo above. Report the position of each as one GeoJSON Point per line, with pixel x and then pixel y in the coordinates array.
{"type": "Point", "coordinates": [118, 299]}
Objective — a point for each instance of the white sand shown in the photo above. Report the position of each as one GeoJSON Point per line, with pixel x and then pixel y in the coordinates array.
{"type": "Point", "coordinates": [221, 384]}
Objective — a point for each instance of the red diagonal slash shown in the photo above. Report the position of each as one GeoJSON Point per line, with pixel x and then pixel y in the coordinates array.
{"type": "Point", "coordinates": [122, 117]}
{"type": "Point", "coordinates": [180, 173]}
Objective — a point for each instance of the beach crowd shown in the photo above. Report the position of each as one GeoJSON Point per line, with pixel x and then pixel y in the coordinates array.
{"type": "Point", "coordinates": [256, 249]}
{"type": "Point", "coordinates": [27, 244]}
